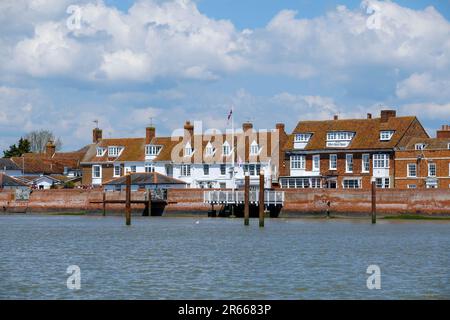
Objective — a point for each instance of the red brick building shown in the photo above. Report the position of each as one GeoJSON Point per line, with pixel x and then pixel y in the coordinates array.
{"type": "Point", "coordinates": [349, 153]}
{"type": "Point", "coordinates": [424, 163]}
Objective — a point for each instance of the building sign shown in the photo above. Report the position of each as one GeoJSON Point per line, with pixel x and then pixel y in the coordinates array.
{"type": "Point", "coordinates": [23, 194]}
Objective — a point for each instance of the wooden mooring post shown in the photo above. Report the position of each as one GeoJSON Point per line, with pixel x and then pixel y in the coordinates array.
{"type": "Point", "coordinates": [374, 203]}
{"type": "Point", "coordinates": [104, 203]}
{"type": "Point", "coordinates": [128, 200]}
{"type": "Point", "coordinates": [247, 200]}
{"type": "Point", "coordinates": [261, 199]}
{"type": "Point", "coordinates": [149, 204]}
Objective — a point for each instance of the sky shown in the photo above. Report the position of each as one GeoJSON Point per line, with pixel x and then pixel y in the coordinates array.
{"type": "Point", "coordinates": [66, 63]}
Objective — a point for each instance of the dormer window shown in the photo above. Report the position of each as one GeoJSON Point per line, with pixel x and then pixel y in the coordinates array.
{"type": "Point", "coordinates": [386, 135]}
{"type": "Point", "coordinates": [210, 150]}
{"type": "Point", "coordinates": [114, 151]}
{"type": "Point", "coordinates": [152, 150]}
{"type": "Point", "coordinates": [339, 139]}
{"type": "Point", "coordinates": [420, 146]}
{"type": "Point", "coordinates": [226, 149]}
{"type": "Point", "coordinates": [188, 150]}
{"type": "Point", "coordinates": [302, 137]}
{"type": "Point", "coordinates": [254, 148]}
{"type": "Point", "coordinates": [101, 152]}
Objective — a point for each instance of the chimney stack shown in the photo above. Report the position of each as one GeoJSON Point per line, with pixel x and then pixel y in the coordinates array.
{"type": "Point", "coordinates": [247, 126]}
{"type": "Point", "coordinates": [369, 116]}
{"type": "Point", "coordinates": [387, 114]}
{"type": "Point", "coordinates": [189, 128]}
{"type": "Point", "coordinates": [1, 180]}
{"type": "Point", "coordinates": [96, 135]}
{"type": "Point", "coordinates": [336, 117]}
{"type": "Point", "coordinates": [280, 127]}
{"type": "Point", "coordinates": [50, 149]}
{"type": "Point", "coordinates": [150, 133]}
{"type": "Point", "coordinates": [444, 133]}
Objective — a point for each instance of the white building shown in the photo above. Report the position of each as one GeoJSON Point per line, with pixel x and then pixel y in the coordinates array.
{"type": "Point", "coordinates": [200, 160]}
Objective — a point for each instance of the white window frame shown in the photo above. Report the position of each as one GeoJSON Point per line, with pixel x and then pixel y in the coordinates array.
{"type": "Point", "coordinates": [226, 149]}
{"type": "Point", "coordinates": [429, 169]}
{"type": "Point", "coordinates": [381, 183]}
{"type": "Point", "coordinates": [205, 165]}
{"type": "Point", "coordinates": [185, 170]}
{"type": "Point", "coordinates": [132, 169]}
{"type": "Point", "coordinates": [114, 151]}
{"type": "Point", "coordinates": [252, 169]}
{"type": "Point", "coordinates": [99, 171]}
{"type": "Point", "coordinates": [298, 162]}
{"type": "Point", "coordinates": [358, 184]}
{"type": "Point", "coordinates": [210, 150]}
{"type": "Point", "coordinates": [152, 150]}
{"type": "Point", "coordinates": [120, 170]}
{"type": "Point", "coordinates": [101, 151]}
{"type": "Point", "coordinates": [408, 170]}
{"type": "Point", "coordinates": [335, 161]}
{"type": "Point", "coordinates": [254, 148]}
{"type": "Point", "coordinates": [386, 135]}
{"type": "Point", "coordinates": [302, 137]}
{"type": "Point", "coordinates": [349, 164]}
{"type": "Point", "coordinates": [316, 163]}
{"type": "Point", "coordinates": [381, 161]}
{"type": "Point", "coordinates": [365, 163]}
{"type": "Point", "coordinates": [420, 146]}
{"type": "Point", "coordinates": [412, 186]}
{"type": "Point", "coordinates": [188, 150]}
{"type": "Point", "coordinates": [223, 165]}
{"type": "Point", "coordinates": [149, 167]}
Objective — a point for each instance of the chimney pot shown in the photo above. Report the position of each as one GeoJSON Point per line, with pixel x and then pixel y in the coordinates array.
{"type": "Point", "coordinates": [150, 133]}
{"type": "Point", "coordinates": [336, 117]}
{"type": "Point", "coordinates": [369, 116]}
{"type": "Point", "coordinates": [247, 126]}
{"type": "Point", "coordinates": [444, 133]}
{"type": "Point", "coordinates": [387, 114]}
{"type": "Point", "coordinates": [189, 128]}
{"type": "Point", "coordinates": [50, 149]}
{"type": "Point", "coordinates": [96, 135]}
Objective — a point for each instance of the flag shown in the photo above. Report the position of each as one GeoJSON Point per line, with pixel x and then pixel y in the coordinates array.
{"type": "Point", "coordinates": [230, 114]}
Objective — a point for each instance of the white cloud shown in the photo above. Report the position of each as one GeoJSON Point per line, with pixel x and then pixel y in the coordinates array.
{"type": "Point", "coordinates": [423, 85]}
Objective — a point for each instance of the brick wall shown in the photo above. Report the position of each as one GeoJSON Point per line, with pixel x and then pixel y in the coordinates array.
{"type": "Point", "coordinates": [428, 201]}
{"type": "Point", "coordinates": [440, 157]}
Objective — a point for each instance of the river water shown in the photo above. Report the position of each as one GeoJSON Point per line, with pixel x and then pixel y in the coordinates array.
{"type": "Point", "coordinates": [192, 258]}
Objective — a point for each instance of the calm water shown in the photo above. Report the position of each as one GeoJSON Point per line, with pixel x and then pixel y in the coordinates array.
{"type": "Point", "coordinates": [183, 258]}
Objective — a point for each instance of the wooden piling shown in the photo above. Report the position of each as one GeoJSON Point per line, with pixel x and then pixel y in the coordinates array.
{"type": "Point", "coordinates": [247, 200]}
{"type": "Point", "coordinates": [374, 203]}
{"type": "Point", "coordinates": [261, 199]}
{"type": "Point", "coordinates": [104, 203]}
{"type": "Point", "coordinates": [149, 199]}
{"type": "Point", "coordinates": [128, 200]}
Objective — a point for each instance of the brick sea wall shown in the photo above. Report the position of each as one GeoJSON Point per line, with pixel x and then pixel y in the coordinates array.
{"type": "Point", "coordinates": [191, 201]}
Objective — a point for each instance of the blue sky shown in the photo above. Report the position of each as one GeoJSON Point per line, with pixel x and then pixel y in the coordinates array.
{"type": "Point", "coordinates": [276, 61]}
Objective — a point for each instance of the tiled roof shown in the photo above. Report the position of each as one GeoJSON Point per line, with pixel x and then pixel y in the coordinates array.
{"type": "Point", "coordinates": [367, 132]}
{"type": "Point", "coordinates": [7, 181]}
{"type": "Point", "coordinates": [8, 164]}
{"type": "Point", "coordinates": [40, 163]}
{"type": "Point", "coordinates": [150, 178]}
{"type": "Point", "coordinates": [134, 148]}
{"type": "Point", "coordinates": [431, 143]}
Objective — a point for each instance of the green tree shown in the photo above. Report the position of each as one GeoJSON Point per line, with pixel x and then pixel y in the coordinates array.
{"type": "Point", "coordinates": [18, 150]}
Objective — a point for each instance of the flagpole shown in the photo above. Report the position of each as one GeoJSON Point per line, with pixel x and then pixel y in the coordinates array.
{"type": "Point", "coordinates": [232, 145]}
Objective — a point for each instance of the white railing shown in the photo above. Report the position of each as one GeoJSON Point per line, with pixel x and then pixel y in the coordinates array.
{"type": "Point", "coordinates": [237, 197]}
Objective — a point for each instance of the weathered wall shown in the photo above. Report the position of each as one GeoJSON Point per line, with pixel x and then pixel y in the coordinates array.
{"type": "Point", "coordinates": [431, 201]}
